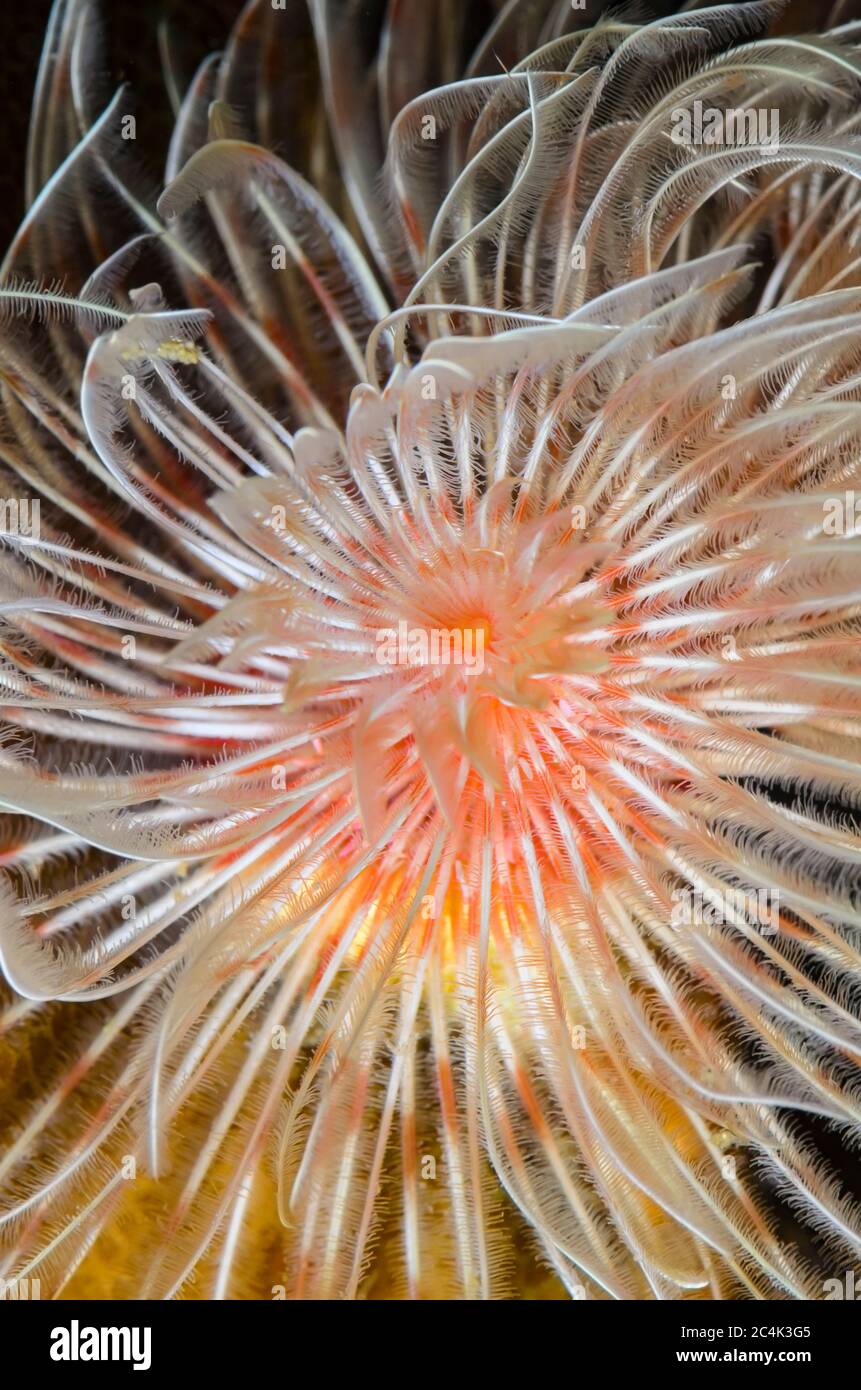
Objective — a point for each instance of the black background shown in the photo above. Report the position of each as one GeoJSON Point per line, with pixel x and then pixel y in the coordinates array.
{"type": "Point", "coordinates": [201, 27]}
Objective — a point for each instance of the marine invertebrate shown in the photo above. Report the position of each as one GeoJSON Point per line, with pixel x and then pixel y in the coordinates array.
{"type": "Point", "coordinates": [434, 709]}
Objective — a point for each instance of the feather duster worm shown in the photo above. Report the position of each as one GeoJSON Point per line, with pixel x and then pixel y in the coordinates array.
{"type": "Point", "coordinates": [430, 662]}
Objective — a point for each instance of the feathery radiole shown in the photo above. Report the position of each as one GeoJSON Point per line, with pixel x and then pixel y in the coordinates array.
{"type": "Point", "coordinates": [430, 661]}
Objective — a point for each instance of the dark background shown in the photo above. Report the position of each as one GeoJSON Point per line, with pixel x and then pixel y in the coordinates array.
{"type": "Point", "coordinates": [201, 26]}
